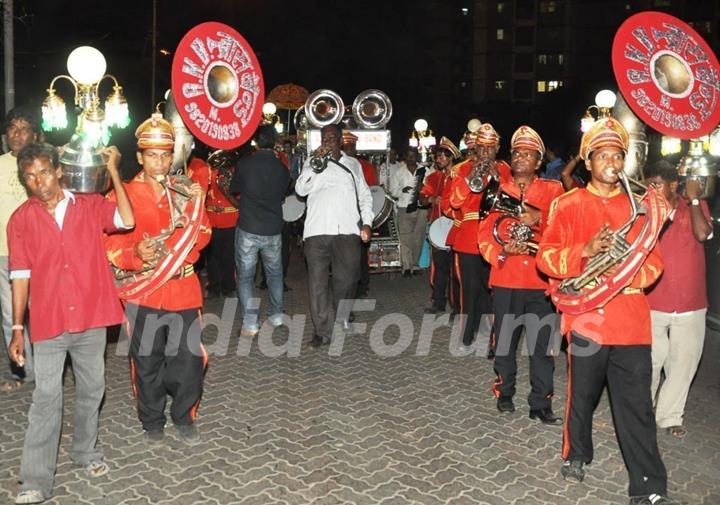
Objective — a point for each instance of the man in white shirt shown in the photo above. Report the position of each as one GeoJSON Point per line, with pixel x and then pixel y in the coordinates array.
{"type": "Point", "coordinates": [389, 167]}
{"type": "Point", "coordinates": [411, 222]}
{"type": "Point", "coordinates": [339, 215]}
{"type": "Point", "coordinates": [22, 129]}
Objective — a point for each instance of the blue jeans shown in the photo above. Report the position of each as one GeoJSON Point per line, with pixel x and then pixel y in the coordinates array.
{"type": "Point", "coordinates": [39, 458]}
{"type": "Point", "coordinates": [247, 247]}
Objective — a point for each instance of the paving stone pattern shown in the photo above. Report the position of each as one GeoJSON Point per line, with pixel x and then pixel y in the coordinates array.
{"type": "Point", "coordinates": [360, 429]}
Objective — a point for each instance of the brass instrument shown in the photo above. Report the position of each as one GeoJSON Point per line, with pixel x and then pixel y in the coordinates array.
{"type": "Point", "coordinates": [620, 249]}
{"type": "Point", "coordinates": [319, 159]}
{"type": "Point", "coordinates": [514, 230]}
{"type": "Point", "coordinates": [478, 179]}
{"type": "Point", "coordinates": [224, 162]}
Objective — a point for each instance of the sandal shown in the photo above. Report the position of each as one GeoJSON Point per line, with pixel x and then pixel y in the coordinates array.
{"type": "Point", "coordinates": [96, 468]}
{"type": "Point", "coordinates": [676, 431]}
{"type": "Point", "coordinates": [12, 385]}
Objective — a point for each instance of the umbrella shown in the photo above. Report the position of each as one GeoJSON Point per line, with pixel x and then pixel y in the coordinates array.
{"type": "Point", "coordinates": [288, 96]}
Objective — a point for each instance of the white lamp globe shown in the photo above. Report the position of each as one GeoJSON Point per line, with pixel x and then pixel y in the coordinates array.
{"type": "Point", "coordinates": [420, 125]}
{"type": "Point", "coordinates": [86, 65]}
{"type": "Point", "coordinates": [474, 125]}
{"type": "Point", "coordinates": [269, 108]}
{"type": "Point", "coordinates": [605, 99]}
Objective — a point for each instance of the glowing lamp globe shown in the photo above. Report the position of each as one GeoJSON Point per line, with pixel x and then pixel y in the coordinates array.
{"type": "Point", "coordinates": [474, 125]}
{"type": "Point", "coordinates": [420, 125]}
{"type": "Point", "coordinates": [605, 99]}
{"type": "Point", "coordinates": [269, 108]}
{"type": "Point", "coordinates": [86, 65]}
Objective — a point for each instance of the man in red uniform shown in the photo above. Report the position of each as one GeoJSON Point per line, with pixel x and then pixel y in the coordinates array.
{"type": "Point", "coordinates": [518, 289]}
{"type": "Point", "coordinates": [57, 254]}
{"type": "Point", "coordinates": [166, 355]}
{"type": "Point", "coordinates": [431, 195]}
{"type": "Point", "coordinates": [223, 215]}
{"type": "Point", "coordinates": [471, 269]}
{"type": "Point", "coordinates": [612, 342]}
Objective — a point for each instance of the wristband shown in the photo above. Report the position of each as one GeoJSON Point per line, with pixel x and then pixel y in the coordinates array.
{"type": "Point", "coordinates": [17, 327]}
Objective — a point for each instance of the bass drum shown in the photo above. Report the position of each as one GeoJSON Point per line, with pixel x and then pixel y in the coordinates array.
{"type": "Point", "coordinates": [292, 208]}
{"type": "Point", "coordinates": [382, 206]}
{"type": "Point", "coordinates": [439, 231]}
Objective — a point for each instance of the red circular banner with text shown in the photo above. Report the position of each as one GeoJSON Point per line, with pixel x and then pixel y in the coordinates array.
{"type": "Point", "coordinates": [217, 85]}
{"type": "Point", "coordinates": [667, 74]}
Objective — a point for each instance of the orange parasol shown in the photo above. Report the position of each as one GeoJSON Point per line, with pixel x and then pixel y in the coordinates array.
{"type": "Point", "coordinates": [288, 96]}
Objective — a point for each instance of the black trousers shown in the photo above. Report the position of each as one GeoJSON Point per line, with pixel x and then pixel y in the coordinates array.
{"type": "Point", "coordinates": [221, 261]}
{"type": "Point", "coordinates": [167, 358]}
{"type": "Point", "coordinates": [440, 266]}
{"type": "Point", "coordinates": [342, 254]}
{"type": "Point", "coordinates": [454, 283]}
{"type": "Point", "coordinates": [364, 282]}
{"type": "Point", "coordinates": [628, 371]}
{"type": "Point", "coordinates": [533, 310]}
{"type": "Point", "coordinates": [473, 273]}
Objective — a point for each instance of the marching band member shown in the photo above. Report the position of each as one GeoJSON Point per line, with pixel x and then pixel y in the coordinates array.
{"type": "Point", "coordinates": [339, 215]}
{"type": "Point", "coordinates": [174, 360]}
{"type": "Point", "coordinates": [612, 342]}
{"type": "Point", "coordinates": [517, 287]}
{"type": "Point", "coordinates": [471, 269]}
{"type": "Point", "coordinates": [431, 195]}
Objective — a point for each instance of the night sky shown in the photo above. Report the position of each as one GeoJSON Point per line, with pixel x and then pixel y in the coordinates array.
{"type": "Point", "coordinates": [343, 46]}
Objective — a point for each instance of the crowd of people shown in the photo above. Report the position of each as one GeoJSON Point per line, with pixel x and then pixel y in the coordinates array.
{"type": "Point", "coordinates": [58, 249]}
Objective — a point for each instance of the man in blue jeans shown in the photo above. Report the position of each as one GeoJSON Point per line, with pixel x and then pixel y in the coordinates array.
{"type": "Point", "coordinates": [260, 183]}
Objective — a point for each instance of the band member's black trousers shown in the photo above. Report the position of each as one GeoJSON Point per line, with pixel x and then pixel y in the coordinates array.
{"type": "Point", "coordinates": [627, 370]}
{"type": "Point", "coordinates": [221, 261]}
{"type": "Point", "coordinates": [342, 254]}
{"type": "Point", "coordinates": [531, 310]}
{"type": "Point", "coordinates": [166, 357]}
{"type": "Point", "coordinates": [473, 273]}
{"type": "Point", "coordinates": [454, 284]}
{"type": "Point", "coordinates": [440, 276]}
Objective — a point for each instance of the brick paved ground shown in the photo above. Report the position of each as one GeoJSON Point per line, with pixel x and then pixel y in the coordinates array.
{"type": "Point", "coordinates": [361, 429]}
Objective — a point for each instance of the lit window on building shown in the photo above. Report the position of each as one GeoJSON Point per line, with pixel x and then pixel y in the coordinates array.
{"type": "Point", "coordinates": [561, 59]}
{"type": "Point", "coordinates": [465, 11]}
{"type": "Point", "coordinates": [500, 7]}
{"type": "Point", "coordinates": [628, 7]}
{"type": "Point", "coordinates": [542, 59]}
{"type": "Point", "coordinates": [500, 85]}
{"type": "Point", "coordinates": [547, 7]}
{"type": "Point", "coordinates": [500, 34]}
{"type": "Point", "coordinates": [541, 86]}
{"type": "Point", "coordinates": [553, 85]}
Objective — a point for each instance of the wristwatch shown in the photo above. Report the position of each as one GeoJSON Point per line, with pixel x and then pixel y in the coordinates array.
{"type": "Point", "coordinates": [695, 201]}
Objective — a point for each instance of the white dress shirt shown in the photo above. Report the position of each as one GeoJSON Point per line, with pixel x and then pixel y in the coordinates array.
{"type": "Point", "coordinates": [331, 200]}
{"type": "Point", "coordinates": [401, 178]}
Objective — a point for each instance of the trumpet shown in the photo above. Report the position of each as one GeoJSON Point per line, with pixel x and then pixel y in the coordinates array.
{"type": "Point", "coordinates": [319, 159]}
{"type": "Point", "coordinates": [478, 179]}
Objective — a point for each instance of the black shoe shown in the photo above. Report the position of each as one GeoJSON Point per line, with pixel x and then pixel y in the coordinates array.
{"type": "Point", "coordinates": [229, 293]}
{"type": "Point", "coordinates": [545, 416]}
{"type": "Point", "coordinates": [573, 470]}
{"type": "Point", "coordinates": [154, 437]}
{"type": "Point", "coordinates": [655, 500]}
{"type": "Point", "coordinates": [351, 317]}
{"type": "Point", "coordinates": [434, 309]}
{"type": "Point", "coordinates": [416, 272]}
{"type": "Point", "coordinates": [262, 285]}
{"type": "Point", "coordinates": [318, 341]}
{"type": "Point", "coordinates": [505, 404]}
{"type": "Point", "coordinates": [406, 273]}
{"type": "Point", "coordinates": [212, 294]}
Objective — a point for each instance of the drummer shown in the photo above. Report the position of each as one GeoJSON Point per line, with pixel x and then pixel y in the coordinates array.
{"type": "Point", "coordinates": [349, 146]}
{"type": "Point", "coordinates": [430, 195]}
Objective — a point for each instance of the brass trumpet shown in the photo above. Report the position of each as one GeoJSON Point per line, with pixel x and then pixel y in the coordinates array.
{"type": "Point", "coordinates": [319, 159]}
{"type": "Point", "coordinates": [477, 181]}
{"type": "Point", "coordinates": [515, 231]}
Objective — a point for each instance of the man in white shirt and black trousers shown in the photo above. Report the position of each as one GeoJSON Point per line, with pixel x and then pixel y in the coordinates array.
{"type": "Point", "coordinates": [339, 215]}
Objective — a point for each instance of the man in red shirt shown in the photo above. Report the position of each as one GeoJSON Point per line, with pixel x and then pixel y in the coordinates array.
{"type": "Point", "coordinates": [518, 289]}
{"type": "Point", "coordinates": [608, 343]}
{"type": "Point", "coordinates": [678, 302]}
{"type": "Point", "coordinates": [166, 355]}
{"type": "Point", "coordinates": [56, 251]}
{"type": "Point", "coordinates": [431, 196]}
{"type": "Point", "coordinates": [471, 269]}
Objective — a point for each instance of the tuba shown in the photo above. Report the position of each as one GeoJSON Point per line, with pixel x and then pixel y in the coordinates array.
{"type": "Point", "coordinates": [372, 109]}
{"type": "Point", "coordinates": [607, 273]}
{"type": "Point", "coordinates": [224, 162]}
{"type": "Point", "coordinates": [324, 107]}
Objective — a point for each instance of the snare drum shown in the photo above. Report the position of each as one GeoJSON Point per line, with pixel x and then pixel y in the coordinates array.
{"type": "Point", "coordinates": [438, 233]}
{"type": "Point", "coordinates": [292, 208]}
{"type": "Point", "coordinates": [382, 206]}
